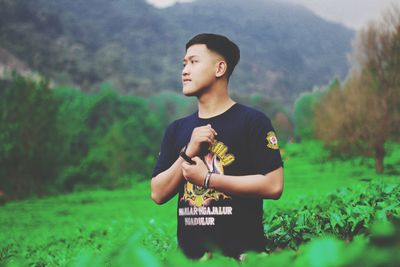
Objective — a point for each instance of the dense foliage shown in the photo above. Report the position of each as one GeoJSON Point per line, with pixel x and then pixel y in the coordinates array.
{"type": "Point", "coordinates": [61, 139]}
{"type": "Point", "coordinates": [351, 227]}
{"type": "Point", "coordinates": [108, 138]}
{"type": "Point", "coordinates": [347, 213]}
{"type": "Point", "coordinates": [29, 139]}
{"type": "Point", "coordinates": [304, 111]}
{"type": "Point", "coordinates": [359, 117]}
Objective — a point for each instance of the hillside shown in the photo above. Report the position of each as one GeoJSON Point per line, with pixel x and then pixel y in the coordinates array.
{"type": "Point", "coordinates": [9, 63]}
{"type": "Point", "coordinates": [137, 48]}
{"type": "Point", "coordinates": [285, 48]}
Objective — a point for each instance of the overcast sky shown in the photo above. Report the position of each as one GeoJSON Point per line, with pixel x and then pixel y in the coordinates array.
{"type": "Point", "coordinates": [352, 13]}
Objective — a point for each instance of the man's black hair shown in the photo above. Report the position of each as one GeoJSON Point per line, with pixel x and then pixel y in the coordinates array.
{"type": "Point", "coordinates": [221, 45]}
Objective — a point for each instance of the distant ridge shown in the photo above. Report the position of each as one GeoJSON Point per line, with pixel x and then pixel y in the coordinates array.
{"type": "Point", "coordinates": [138, 48]}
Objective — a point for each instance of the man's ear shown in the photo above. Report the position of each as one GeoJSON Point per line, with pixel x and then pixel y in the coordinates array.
{"type": "Point", "coordinates": [221, 68]}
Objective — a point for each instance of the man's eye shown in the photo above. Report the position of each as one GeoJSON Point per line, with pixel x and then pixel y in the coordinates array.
{"type": "Point", "coordinates": [193, 61]}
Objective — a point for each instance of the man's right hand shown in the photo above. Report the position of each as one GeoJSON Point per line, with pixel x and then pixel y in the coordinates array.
{"type": "Point", "coordinates": [203, 134]}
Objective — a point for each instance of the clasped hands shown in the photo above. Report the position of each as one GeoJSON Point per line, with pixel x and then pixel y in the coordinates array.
{"type": "Point", "coordinates": [196, 173]}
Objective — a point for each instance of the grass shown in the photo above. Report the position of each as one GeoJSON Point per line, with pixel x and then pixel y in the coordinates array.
{"type": "Point", "coordinates": [308, 173]}
{"type": "Point", "coordinates": [92, 227]}
{"type": "Point", "coordinates": [94, 221]}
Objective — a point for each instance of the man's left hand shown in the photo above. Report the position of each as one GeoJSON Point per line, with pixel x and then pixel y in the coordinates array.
{"type": "Point", "coordinates": [195, 173]}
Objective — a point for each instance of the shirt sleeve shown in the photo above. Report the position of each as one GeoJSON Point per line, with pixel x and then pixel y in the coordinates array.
{"type": "Point", "coordinates": [168, 152]}
{"type": "Point", "coordinates": [264, 145]}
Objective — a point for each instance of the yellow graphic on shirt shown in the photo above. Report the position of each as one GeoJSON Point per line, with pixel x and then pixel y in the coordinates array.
{"type": "Point", "coordinates": [220, 149]}
{"type": "Point", "coordinates": [216, 159]}
{"type": "Point", "coordinates": [272, 141]}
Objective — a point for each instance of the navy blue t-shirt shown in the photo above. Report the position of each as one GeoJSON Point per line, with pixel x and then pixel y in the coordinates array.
{"type": "Point", "coordinates": [246, 144]}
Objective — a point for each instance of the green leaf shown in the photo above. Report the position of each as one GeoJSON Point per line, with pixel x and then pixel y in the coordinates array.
{"type": "Point", "coordinates": [335, 219]}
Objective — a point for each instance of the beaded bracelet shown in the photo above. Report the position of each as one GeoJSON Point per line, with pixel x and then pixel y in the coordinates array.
{"type": "Point", "coordinates": [207, 179]}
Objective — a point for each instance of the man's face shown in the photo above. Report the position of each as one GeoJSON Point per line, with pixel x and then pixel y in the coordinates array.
{"type": "Point", "coordinates": [199, 69]}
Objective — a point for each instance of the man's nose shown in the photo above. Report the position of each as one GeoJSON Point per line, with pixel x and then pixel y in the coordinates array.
{"type": "Point", "coordinates": [185, 70]}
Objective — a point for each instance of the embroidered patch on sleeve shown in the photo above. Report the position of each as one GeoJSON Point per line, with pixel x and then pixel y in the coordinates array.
{"type": "Point", "coordinates": [272, 141]}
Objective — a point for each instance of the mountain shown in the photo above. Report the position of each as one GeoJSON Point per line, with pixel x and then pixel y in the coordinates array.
{"type": "Point", "coordinates": [285, 49]}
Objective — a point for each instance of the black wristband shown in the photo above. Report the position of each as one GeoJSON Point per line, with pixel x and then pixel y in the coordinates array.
{"type": "Point", "coordinates": [187, 158]}
{"type": "Point", "coordinates": [183, 154]}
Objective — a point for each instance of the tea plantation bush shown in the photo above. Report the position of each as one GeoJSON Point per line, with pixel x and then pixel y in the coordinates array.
{"type": "Point", "coordinates": [124, 228]}
{"type": "Point", "coordinates": [344, 214]}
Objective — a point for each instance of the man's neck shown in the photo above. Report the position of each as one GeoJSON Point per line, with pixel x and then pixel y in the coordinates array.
{"type": "Point", "coordinates": [215, 102]}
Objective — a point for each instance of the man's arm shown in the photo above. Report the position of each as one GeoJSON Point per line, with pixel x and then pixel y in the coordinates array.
{"type": "Point", "coordinates": [164, 185]}
{"type": "Point", "coordinates": [269, 185]}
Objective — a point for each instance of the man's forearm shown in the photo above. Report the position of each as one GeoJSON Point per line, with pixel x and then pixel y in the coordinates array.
{"type": "Point", "coordinates": [265, 186]}
{"type": "Point", "coordinates": [164, 186]}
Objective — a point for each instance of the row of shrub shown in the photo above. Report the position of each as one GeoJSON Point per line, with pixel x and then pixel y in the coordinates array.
{"type": "Point", "coordinates": [347, 213]}
{"type": "Point", "coordinates": [61, 139]}
{"type": "Point", "coordinates": [352, 227]}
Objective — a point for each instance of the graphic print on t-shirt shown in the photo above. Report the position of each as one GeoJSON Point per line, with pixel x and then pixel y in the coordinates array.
{"type": "Point", "coordinates": [216, 159]}
{"type": "Point", "coordinates": [272, 141]}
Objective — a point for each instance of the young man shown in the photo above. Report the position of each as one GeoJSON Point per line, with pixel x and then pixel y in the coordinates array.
{"type": "Point", "coordinates": [236, 161]}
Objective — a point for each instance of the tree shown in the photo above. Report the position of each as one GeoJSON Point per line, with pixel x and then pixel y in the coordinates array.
{"type": "Point", "coordinates": [109, 139]}
{"type": "Point", "coordinates": [28, 137]}
{"type": "Point", "coordinates": [304, 110]}
{"type": "Point", "coordinates": [360, 117]}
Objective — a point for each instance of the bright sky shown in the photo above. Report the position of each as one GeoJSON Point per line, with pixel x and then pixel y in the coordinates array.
{"type": "Point", "coordinates": [352, 13]}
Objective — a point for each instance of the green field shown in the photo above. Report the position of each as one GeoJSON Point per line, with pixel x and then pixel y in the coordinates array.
{"type": "Point", "coordinates": [125, 228]}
